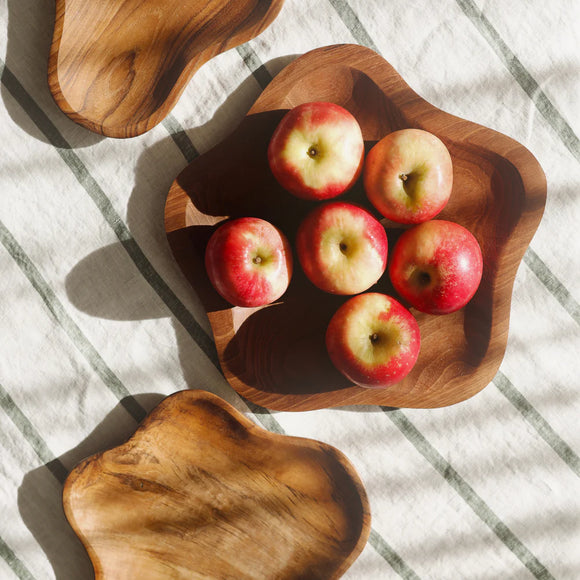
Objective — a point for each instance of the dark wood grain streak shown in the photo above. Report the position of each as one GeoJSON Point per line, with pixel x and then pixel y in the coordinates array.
{"type": "Point", "coordinates": [275, 356]}
{"type": "Point", "coordinates": [200, 491]}
{"type": "Point", "coordinates": [118, 67]}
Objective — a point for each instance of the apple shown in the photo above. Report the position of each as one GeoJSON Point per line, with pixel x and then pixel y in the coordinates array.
{"type": "Point", "coordinates": [342, 248]}
{"type": "Point", "coordinates": [249, 261]}
{"type": "Point", "coordinates": [317, 151]}
{"type": "Point", "coordinates": [373, 340]}
{"type": "Point", "coordinates": [408, 176]}
{"type": "Point", "coordinates": [436, 266]}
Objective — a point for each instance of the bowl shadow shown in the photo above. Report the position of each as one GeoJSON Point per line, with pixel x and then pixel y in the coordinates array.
{"type": "Point", "coordinates": [25, 90]}
{"type": "Point", "coordinates": [40, 493]}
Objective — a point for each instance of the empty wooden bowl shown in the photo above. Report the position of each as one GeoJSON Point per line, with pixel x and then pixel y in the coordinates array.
{"type": "Point", "coordinates": [275, 356]}
{"type": "Point", "coordinates": [199, 491]}
{"type": "Point", "coordinates": [118, 67]}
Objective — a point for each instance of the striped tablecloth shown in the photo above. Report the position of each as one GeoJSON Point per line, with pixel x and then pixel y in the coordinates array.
{"type": "Point", "coordinates": [95, 311]}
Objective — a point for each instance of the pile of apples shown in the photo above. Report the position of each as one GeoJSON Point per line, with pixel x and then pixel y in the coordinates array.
{"type": "Point", "coordinates": [317, 153]}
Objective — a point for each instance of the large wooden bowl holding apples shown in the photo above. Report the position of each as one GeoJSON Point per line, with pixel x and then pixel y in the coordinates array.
{"type": "Point", "coordinates": [276, 355]}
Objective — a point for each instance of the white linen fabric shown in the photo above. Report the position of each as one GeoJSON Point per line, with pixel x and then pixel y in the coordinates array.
{"type": "Point", "coordinates": [97, 322]}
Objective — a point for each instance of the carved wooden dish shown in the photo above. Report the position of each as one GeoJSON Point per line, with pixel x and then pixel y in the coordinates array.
{"type": "Point", "coordinates": [118, 67]}
{"type": "Point", "coordinates": [275, 356]}
{"type": "Point", "coordinates": [199, 491]}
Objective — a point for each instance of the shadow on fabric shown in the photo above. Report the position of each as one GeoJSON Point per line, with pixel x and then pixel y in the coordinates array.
{"type": "Point", "coordinates": [40, 494]}
{"type": "Point", "coordinates": [24, 86]}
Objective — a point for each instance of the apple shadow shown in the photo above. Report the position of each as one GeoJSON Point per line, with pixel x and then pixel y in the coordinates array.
{"type": "Point", "coordinates": [281, 349]}
{"type": "Point", "coordinates": [40, 493]}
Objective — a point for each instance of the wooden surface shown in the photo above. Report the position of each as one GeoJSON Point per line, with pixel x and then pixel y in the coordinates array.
{"type": "Point", "coordinates": [200, 491]}
{"type": "Point", "coordinates": [275, 356]}
{"type": "Point", "coordinates": [118, 67]}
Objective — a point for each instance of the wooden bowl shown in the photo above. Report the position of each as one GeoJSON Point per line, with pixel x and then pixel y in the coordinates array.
{"type": "Point", "coordinates": [199, 491]}
{"type": "Point", "coordinates": [275, 356]}
{"type": "Point", "coordinates": [118, 67]}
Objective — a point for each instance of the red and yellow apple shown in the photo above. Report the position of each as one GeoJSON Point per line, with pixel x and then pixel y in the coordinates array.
{"type": "Point", "coordinates": [342, 248]}
{"type": "Point", "coordinates": [408, 176]}
{"type": "Point", "coordinates": [436, 266]}
{"type": "Point", "coordinates": [249, 261]}
{"type": "Point", "coordinates": [373, 340]}
{"type": "Point", "coordinates": [317, 151]}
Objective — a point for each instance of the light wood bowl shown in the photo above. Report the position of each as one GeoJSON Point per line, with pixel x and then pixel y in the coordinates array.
{"type": "Point", "coordinates": [199, 491]}
{"type": "Point", "coordinates": [118, 67]}
{"type": "Point", "coordinates": [275, 356]}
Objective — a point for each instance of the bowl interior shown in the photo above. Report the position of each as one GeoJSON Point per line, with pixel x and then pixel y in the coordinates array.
{"type": "Point", "coordinates": [276, 355]}
{"type": "Point", "coordinates": [199, 490]}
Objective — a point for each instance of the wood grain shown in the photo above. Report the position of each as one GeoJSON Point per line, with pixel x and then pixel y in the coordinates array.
{"type": "Point", "coordinates": [200, 491]}
{"type": "Point", "coordinates": [275, 356]}
{"type": "Point", "coordinates": [118, 67]}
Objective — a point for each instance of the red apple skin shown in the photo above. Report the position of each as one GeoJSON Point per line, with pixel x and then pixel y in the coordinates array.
{"type": "Point", "coordinates": [342, 248]}
{"type": "Point", "coordinates": [373, 340]}
{"type": "Point", "coordinates": [249, 262]}
{"type": "Point", "coordinates": [317, 151]}
{"type": "Point", "coordinates": [436, 266]}
{"type": "Point", "coordinates": [408, 176]}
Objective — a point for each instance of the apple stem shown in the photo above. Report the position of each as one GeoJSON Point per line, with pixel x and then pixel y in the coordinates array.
{"type": "Point", "coordinates": [424, 278]}
{"type": "Point", "coordinates": [312, 152]}
{"type": "Point", "coordinates": [403, 177]}
{"type": "Point", "coordinates": [374, 337]}
{"type": "Point", "coordinates": [257, 260]}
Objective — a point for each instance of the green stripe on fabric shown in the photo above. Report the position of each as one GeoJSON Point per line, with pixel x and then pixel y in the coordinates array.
{"type": "Point", "coordinates": [253, 62]}
{"type": "Point", "coordinates": [554, 286]}
{"type": "Point", "coordinates": [106, 208]}
{"type": "Point", "coordinates": [32, 436]}
{"type": "Point", "coordinates": [176, 130]}
{"type": "Point", "coordinates": [265, 417]}
{"type": "Point", "coordinates": [544, 429]}
{"type": "Point", "coordinates": [16, 565]}
{"type": "Point", "coordinates": [354, 25]}
{"type": "Point", "coordinates": [388, 554]}
{"type": "Point", "coordinates": [59, 313]}
{"type": "Point", "coordinates": [522, 76]}
{"type": "Point", "coordinates": [180, 138]}
{"type": "Point", "coordinates": [475, 502]}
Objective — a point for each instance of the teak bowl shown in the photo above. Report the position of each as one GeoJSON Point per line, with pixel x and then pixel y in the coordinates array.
{"type": "Point", "coordinates": [118, 67]}
{"type": "Point", "coordinates": [275, 356]}
{"type": "Point", "coordinates": [199, 491]}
